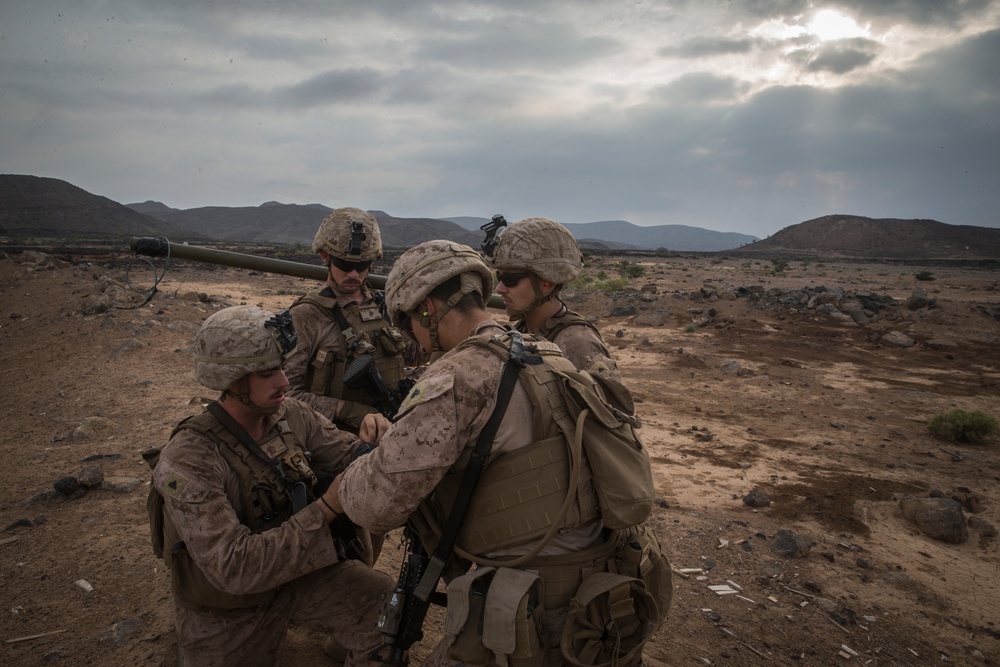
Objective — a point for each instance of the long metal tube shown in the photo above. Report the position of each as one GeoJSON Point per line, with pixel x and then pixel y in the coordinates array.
{"type": "Point", "coordinates": [160, 247]}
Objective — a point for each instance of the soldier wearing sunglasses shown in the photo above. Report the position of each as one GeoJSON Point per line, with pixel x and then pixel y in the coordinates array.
{"type": "Point", "coordinates": [533, 259]}
{"type": "Point", "coordinates": [344, 321]}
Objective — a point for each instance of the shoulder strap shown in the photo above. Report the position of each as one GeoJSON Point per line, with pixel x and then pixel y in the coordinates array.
{"type": "Point", "coordinates": [552, 326]}
{"type": "Point", "coordinates": [296, 488]}
{"type": "Point", "coordinates": [480, 455]}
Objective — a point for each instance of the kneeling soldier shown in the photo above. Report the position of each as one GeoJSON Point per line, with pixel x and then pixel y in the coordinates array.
{"type": "Point", "coordinates": [238, 514]}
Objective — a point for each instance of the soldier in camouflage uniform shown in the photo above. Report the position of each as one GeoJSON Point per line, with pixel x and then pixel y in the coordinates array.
{"type": "Point", "coordinates": [246, 539]}
{"type": "Point", "coordinates": [534, 258]}
{"type": "Point", "coordinates": [342, 322]}
{"type": "Point", "coordinates": [435, 292]}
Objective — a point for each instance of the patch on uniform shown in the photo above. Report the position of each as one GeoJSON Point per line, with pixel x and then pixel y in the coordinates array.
{"type": "Point", "coordinates": [426, 389]}
{"type": "Point", "coordinates": [370, 312]}
{"type": "Point", "coordinates": [274, 447]}
{"type": "Point", "coordinates": [601, 369]}
{"type": "Point", "coordinates": [174, 484]}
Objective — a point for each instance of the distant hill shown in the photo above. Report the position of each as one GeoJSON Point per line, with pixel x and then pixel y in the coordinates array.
{"type": "Point", "coordinates": [37, 207]}
{"type": "Point", "coordinates": [889, 238]}
{"type": "Point", "coordinates": [274, 222]}
{"type": "Point", "coordinates": [271, 222]}
{"type": "Point", "coordinates": [408, 232]}
{"type": "Point", "coordinates": [622, 235]}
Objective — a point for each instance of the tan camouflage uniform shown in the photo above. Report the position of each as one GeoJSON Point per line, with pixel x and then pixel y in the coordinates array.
{"type": "Point", "coordinates": [316, 331]}
{"type": "Point", "coordinates": [441, 419]}
{"type": "Point", "coordinates": [298, 558]}
{"type": "Point", "coordinates": [583, 346]}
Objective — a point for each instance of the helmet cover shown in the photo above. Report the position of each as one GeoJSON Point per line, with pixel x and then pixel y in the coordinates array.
{"type": "Point", "coordinates": [349, 234]}
{"type": "Point", "coordinates": [422, 268]}
{"type": "Point", "coordinates": [541, 246]}
{"type": "Point", "coordinates": [233, 343]}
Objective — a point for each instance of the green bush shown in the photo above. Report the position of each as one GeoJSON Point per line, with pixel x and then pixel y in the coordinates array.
{"type": "Point", "coordinates": [924, 275]}
{"type": "Point", "coordinates": [604, 284]}
{"type": "Point", "coordinates": [629, 269]}
{"type": "Point", "coordinates": [963, 425]}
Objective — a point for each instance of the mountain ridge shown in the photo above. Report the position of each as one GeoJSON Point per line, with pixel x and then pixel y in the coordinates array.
{"type": "Point", "coordinates": [39, 207]}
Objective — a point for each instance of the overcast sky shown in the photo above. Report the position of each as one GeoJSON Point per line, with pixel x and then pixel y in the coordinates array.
{"type": "Point", "coordinates": [745, 116]}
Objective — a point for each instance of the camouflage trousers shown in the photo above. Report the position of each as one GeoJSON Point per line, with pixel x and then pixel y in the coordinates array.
{"type": "Point", "coordinates": [342, 599]}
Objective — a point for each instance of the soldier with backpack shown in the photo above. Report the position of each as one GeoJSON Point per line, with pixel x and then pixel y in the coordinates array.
{"type": "Point", "coordinates": [492, 465]}
{"type": "Point", "coordinates": [533, 259]}
{"type": "Point", "coordinates": [237, 511]}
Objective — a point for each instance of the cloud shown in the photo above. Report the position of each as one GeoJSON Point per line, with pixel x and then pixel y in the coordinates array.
{"type": "Point", "coordinates": [731, 116]}
{"type": "Point", "coordinates": [701, 47]}
{"type": "Point", "coordinates": [839, 56]}
{"type": "Point", "coordinates": [919, 12]}
{"type": "Point", "coordinates": [701, 88]}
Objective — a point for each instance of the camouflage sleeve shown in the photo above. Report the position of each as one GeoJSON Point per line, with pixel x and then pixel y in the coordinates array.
{"type": "Point", "coordinates": [201, 498]}
{"type": "Point", "coordinates": [330, 448]}
{"type": "Point", "coordinates": [587, 351]}
{"type": "Point", "coordinates": [310, 324]}
{"type": "Point", "coordinates": [441, 416]}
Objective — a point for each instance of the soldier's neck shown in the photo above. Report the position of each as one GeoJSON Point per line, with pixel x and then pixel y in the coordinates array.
{"type": "Point", "coordinates": [254, 423]}
{"type": "Point", "coordinates": [536, 318]}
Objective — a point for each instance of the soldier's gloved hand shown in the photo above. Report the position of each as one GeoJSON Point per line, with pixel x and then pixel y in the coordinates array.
{"type": "Point", "coordinates": [352, 414]}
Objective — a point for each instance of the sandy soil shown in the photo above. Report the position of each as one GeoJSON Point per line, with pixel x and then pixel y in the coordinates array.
{"type": "Point", "coordinates": [830, 424]}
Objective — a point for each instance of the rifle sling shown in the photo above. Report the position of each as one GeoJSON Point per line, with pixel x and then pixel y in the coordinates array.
{"type": "Point", "coordinates": [480, 455]}
{"type": "Point", "coordinates": [296, 488]}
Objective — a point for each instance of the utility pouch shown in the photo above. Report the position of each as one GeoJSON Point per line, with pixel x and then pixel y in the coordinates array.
{"type": "Point", "coordinates": [610, 619]}
{"type": "Point", "coordinates": [498, 618]}
{"type": "Point", "coordinates": [320, 372]}
{"type": "Point", "coordinates": [154, 505]}
{"type": "Point", "coordinates": [639, 555]}
{"type": "Point", "coordinates": [391, 341]}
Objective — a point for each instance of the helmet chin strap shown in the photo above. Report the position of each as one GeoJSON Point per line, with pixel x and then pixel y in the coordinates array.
{"type": "Point", "coordinates": [470, 282]}
{"type": "Point", "coordinates": [242, 394]}
{"type": "Point", "coordinates": [540, 298]}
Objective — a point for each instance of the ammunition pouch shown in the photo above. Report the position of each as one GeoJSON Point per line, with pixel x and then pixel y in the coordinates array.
{"type": "Point", "coordinates": [363, 330]}
{"type": "Point", "coordinates": [611, 617]}
{"type": "Point", "coordinates": [496, 616]}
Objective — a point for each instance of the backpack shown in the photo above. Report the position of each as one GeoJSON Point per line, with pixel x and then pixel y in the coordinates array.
{"type": "Point", "coordinates": [595, 415]}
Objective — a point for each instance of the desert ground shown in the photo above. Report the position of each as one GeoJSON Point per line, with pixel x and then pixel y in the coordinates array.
{"type": "Point", "coordinates": [738, 391]}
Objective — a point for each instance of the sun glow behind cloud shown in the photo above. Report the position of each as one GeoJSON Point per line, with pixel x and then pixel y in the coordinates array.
{"type": "Point", "coordinates": [830, 24]}
{"type": "Point", "coordinates": [825, 25]}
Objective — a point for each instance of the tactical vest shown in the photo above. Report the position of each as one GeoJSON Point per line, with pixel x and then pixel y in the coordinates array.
{"type": "Point", "coordinates": [367, 332]}
{"type": "Point", "coordinates": [264, 497]}
{"type": "Point", "coordinates": [520, 493]}
{"type": "Point", "coordinates": [615, 591]}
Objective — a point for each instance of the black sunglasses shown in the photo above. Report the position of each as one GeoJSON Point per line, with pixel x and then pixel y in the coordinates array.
{"type": "Point", "coordinates": [347, 267]}
{"type": "Point", "coordinates": [512, 279]}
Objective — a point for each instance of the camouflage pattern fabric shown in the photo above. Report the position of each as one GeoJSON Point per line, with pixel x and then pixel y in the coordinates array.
{"type": "Point", "coordinates": [202, 497]}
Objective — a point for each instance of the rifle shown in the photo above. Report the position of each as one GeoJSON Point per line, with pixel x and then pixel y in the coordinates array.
{"type": "Point", "coordinates": [401, 618]}
{"type": "Point", "coordinates": [403, 611]}
{"type": "Point", "coordinates": [361, 373]}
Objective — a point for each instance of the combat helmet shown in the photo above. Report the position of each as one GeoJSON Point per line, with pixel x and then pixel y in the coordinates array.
{"type": "Point", "coordinates": [421, 269]}
{"type": "Point", "coordinates": [540, 246]}
{"type": "Point", "coordinates": [238, 341]}
{"type": "Point", "coordinates": [349, 234]}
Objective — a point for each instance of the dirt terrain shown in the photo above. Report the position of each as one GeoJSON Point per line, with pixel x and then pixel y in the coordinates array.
{"type": "Point", "coordinates": [735, 394]}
